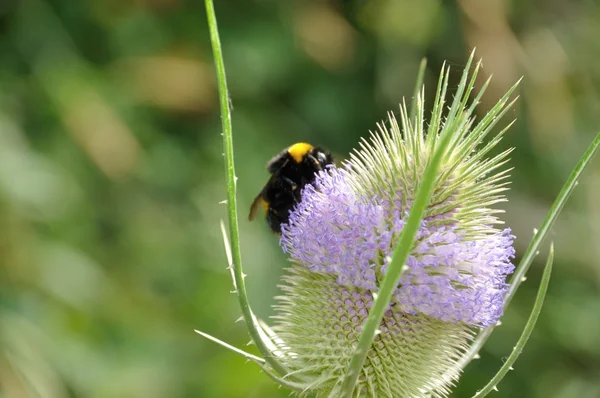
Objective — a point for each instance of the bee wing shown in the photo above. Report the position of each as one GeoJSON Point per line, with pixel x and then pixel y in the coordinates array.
{"type": "Point", "coordinates": [278, 161]}
{"type": "Point", "coordinates": [255, 207]}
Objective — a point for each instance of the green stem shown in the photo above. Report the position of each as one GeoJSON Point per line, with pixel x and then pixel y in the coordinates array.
{"type": "Point", "coordinates": [535, 244]}
{"type": "Point", "coordinates": [529, 326]}
{"type": "Point", "coordinates": [231, 193]}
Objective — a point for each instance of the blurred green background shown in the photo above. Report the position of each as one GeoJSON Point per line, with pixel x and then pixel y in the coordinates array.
{"type": "Point", "coordinates": [111, 174]}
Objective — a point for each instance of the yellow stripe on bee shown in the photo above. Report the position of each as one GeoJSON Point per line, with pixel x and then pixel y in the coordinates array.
{"type": "Point", "coordinates": [299, 150]}
{"type": "Point", "coordinates": [265, 205]}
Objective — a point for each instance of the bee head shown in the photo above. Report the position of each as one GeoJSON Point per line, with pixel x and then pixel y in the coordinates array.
{"type": "Point", "coordinates": [321, 157]}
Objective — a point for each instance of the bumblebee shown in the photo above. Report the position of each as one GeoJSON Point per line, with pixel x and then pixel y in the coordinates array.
{"type": "Point", "coordinates": [290, 170]}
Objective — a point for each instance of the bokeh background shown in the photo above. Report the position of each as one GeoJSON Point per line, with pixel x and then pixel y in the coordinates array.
{"type": "Point", "coordinates": [111, 174]}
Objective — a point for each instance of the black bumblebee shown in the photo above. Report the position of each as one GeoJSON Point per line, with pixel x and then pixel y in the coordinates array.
{"type": "Point", "coordinates": [290, 170]}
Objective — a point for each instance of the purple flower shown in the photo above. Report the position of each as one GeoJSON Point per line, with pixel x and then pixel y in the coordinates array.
{"type": "Point", "coordinates": [452, 276]}
{"type": "Point", "coordinates": [342, 235]}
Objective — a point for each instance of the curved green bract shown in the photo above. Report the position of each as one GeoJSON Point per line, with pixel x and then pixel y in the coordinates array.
{"type": "Point", "coordinates": [402, 250]}
{"type": "Point", "coordinates": [238, 275]}
{"type": "Point", "coordinates": [536, 242]}
{"type": "Point", "coordinates": [529, 326]}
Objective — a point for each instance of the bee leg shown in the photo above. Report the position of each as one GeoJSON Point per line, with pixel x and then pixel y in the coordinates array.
{"type": "Point", "coordinates": [314, 161]}
{"type": "Point", "coordinates": [291, 184]}
{"type": "Point", "coordinates": [274, 220]}
{"type": "Point", "coordinates": [293, 189]}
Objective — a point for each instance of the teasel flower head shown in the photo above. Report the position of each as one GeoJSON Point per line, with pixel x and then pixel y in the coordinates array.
{"type": "Point", "coordinates": [340, 239]}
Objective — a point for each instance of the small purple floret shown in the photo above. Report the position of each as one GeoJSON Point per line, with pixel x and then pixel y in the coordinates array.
{"type": "Point", "coordinates": [334, 230]}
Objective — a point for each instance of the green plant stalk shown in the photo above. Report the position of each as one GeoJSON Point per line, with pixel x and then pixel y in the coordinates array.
{"type": "Point", "coordinates": [535, 244]}
{"type": "Point", "coordinates": [529, 326]}
{"type": "Point", "coordinates": [396, 267]}
{"type": "Point", "coordinates": [231, 193]}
